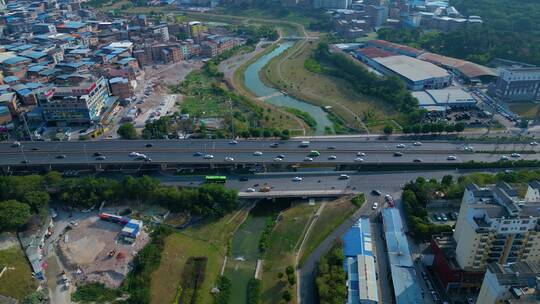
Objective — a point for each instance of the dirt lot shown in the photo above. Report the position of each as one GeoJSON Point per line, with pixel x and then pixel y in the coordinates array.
{"type": "Point", "coordinates": [87, 249]}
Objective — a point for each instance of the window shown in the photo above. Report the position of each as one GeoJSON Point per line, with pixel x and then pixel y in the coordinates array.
{"type": "Point", "coordinates": [522, 228]}
{"type": "Point", "coordinates": [504, 229]}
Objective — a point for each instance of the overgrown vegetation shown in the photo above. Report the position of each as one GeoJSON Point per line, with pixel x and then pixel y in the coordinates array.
{"type": "Point", "coordinates": [331, 277]}
{"type": "Point", "coordinates": [224, 286]}
{"type": "Point", "coordinates": [305, 116]}
{"type": "Point", "coordinates": [265, 236]}
{"type": "Point", "coordinates": [22, 196]}
{"type": "Point", "coordinates": [95, 292]}
{"type": "Point", "coordinates": [254, 291]}
{"type": "Point", "coordinates": [359, 200]}
{"type": "Point", "coordinates": [192, 279]}
{"type": "Point", "coordinates": [510, 31]}
{"type": "Point", "coordinates": [127, 131]}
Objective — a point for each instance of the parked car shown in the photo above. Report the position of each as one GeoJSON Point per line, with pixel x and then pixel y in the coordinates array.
{"type": "Point", "coordinates": [376, 192]}
{"type": "Point", "coordinates": [375, 206]}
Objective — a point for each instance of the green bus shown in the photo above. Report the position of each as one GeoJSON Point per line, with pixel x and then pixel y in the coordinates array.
{"type": "Point", "coordinates": [215, 179]}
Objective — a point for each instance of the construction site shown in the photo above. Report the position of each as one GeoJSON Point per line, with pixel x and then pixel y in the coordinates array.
{"type": "Point", "coordinates": [101, 248]}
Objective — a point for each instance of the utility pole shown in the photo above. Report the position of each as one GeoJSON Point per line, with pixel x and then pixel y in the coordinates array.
{"type": "Point", "coordinates": [232, 119]}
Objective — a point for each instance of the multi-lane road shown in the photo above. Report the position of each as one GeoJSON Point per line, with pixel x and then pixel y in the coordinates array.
{"type": "Point", "coordinates": [335, 151]}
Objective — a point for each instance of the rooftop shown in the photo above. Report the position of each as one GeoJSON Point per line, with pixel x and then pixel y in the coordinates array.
{"type": "Point", "coordinates": [469, 69]}
{"type": "Point", "coordinates": [411, 68]}
{"type": "Point", "coordinates": [395, 46]}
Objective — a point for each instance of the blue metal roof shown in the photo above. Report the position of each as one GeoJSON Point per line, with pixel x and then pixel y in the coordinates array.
{"type": "Point", "coordinates": [404, 277]}
{"type": "Point", "coordinates": [16, 59]}
{"type": "Point", "coordinates": [357, 240]}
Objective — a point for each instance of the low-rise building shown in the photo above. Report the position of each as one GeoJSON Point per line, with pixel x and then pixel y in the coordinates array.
{"type": "Point", "coordinates": [359, 264]}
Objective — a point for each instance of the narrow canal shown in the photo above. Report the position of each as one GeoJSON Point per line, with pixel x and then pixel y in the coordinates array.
{"type": "Point", "coordinates": [253, 82]}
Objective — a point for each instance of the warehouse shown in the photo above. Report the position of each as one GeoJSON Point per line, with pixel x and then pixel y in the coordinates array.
{"type": "Point", "coordinates": [404, 280]}
{"type": "Point", "coordinates": [359, 264]}
{"type": "Point", "coordinates": [417, 74]}
{"type": "Point", "coordinates": [445, 99]}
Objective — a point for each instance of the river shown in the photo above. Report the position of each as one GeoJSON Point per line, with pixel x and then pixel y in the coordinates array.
{"type": "Point", "coordinates": [253, 82]}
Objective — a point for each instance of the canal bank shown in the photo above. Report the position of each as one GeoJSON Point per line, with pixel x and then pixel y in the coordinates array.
{"type": "Point", "coordinates": [253, 83]}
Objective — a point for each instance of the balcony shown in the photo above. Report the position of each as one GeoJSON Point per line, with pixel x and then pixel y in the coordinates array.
{"type": "Point", "coordinates": [517, 242]}
{"type": "Point", "coordinates": [494, 255]}
{"type": "Point", "coordinates": [519, 236]}
{"type": "Point", "coordinates": [500, 237]}
{"type": "Point", "coordinates": [498, 243]}
{"type": "Point", "coordinates": [492, 260]}
{"type": "Point", "coordinates": [496, 249]}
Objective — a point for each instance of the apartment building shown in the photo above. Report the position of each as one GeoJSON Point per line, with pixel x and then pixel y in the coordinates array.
{"type": "Point", "coordinates": [517, 84]}
{"type": "Point", "coordinates": [512, 283]}
{"type": "Point", "coordinates": [495, 225]}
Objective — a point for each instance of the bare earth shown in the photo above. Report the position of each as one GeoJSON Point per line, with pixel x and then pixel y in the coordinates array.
{"type": "Point", "coordinates": [88, 247]}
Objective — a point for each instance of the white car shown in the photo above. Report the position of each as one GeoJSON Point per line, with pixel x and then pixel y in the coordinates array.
{"type": "Point", "coordinates": [534, 143]}
{"type": "Point", "coordinates": [343, 176]}
{"type": "Point", "coordinates": [451, 157]}
{"type": "Point", "coordinates": [504, 157]}
{"type": "Point", "coordinates": [360, 154]}
{"type": "Point", "coordinates": [229, 159]}
{"type": "Point", "coordinates": [417, 143]}
{"type": "Point", "coordinates": [359, 159]}
{"type": "Point", "coordinates": [297, 179]}
{"type": "Point", "coordinates": [400, 146]}
{"type": "Point", "coordinates": [134, 154]}
{"type": "Point", "coordinates": [250, 190]}
{"type": "Point", "coordinates": [308, 159]}
{"type": "Point", "coordinates": [375, 206]}
{"type": "Point", "coordinates": [233, 142]}
{"type": "Point", "coordinates": [16, 144]}
{"type": "Point", "coordinates": [257, 153]}
{"type": "Point", "coordinates": [332, 157]}
{"type": "Point", "coordinates": [208, 156]}
{"type": "Point", "coordinates": [278, 159]}
{"type": "Point", "coordinates": [515, 155]}
{"type": "Point", "coordinates": [468, 148]}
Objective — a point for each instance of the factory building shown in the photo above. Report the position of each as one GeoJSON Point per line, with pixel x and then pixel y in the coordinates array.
{"type": "Point", "coordinates": [444, 99]}
{"type": "Point", "coordinates": [417, 74]}
{"type": "Point", "coordinates": [359, 264]}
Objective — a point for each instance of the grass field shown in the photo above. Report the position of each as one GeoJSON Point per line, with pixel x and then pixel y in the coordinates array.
{"type": "Point", "coordinates": [208, 239]}
{"type": "Point", "coordinates": [528, 110]}
{"type": "Point", "coordinates": [281, 250]}
{"type": "Point", "coordinates": [334, 213]}
{"type": "Point", "coordinates": [17, 281]}
{"type": "Point", "coordinates": [288, 73]}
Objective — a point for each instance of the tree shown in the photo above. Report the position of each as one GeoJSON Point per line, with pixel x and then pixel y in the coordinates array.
{"type": "Point", "coordinates": [459, 127]}
{"type": "Point", "coordinates": [449, 128]}
{"type": "Point", "coordinates": [286, 296]}
{"type": "Point", "coordinates": [289, 270]}
{"type": "Point", "coordinates": [127, 131]}
{"type": "Point", "coordinates": [447, 180]}
{"type": "Point", "coordinates": [388, 130]}
{"type": "Point", "coordinates": [13, 214]}
{"type": "Point", "coordinates": [37, 199]}
{"type": "Point", "coordinates": [291, 279]}
{"type": "Point", "coordinates": [280, 275]}
{"type": "Point", "coordinates": [36, 297]}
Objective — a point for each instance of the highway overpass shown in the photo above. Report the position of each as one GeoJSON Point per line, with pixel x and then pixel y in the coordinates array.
{"type": "Point", "coordinates": [170, 155]}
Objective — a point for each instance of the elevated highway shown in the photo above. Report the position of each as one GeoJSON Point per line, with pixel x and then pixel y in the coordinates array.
{"type": "Point", "coordinates": [190, 154]}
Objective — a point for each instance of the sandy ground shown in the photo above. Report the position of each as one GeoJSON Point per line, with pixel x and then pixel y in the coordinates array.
{"type": "Point", "coordinates": [87, 249]}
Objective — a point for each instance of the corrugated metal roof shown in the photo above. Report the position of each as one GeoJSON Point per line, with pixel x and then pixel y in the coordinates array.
{"type": "Point", "coordinates": [404, 280]}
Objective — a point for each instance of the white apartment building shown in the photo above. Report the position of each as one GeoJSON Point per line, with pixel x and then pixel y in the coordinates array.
{"type": "Point", "coordinates": [495, 225]}
{"type": "Point", "coordinates": [513, 283]}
